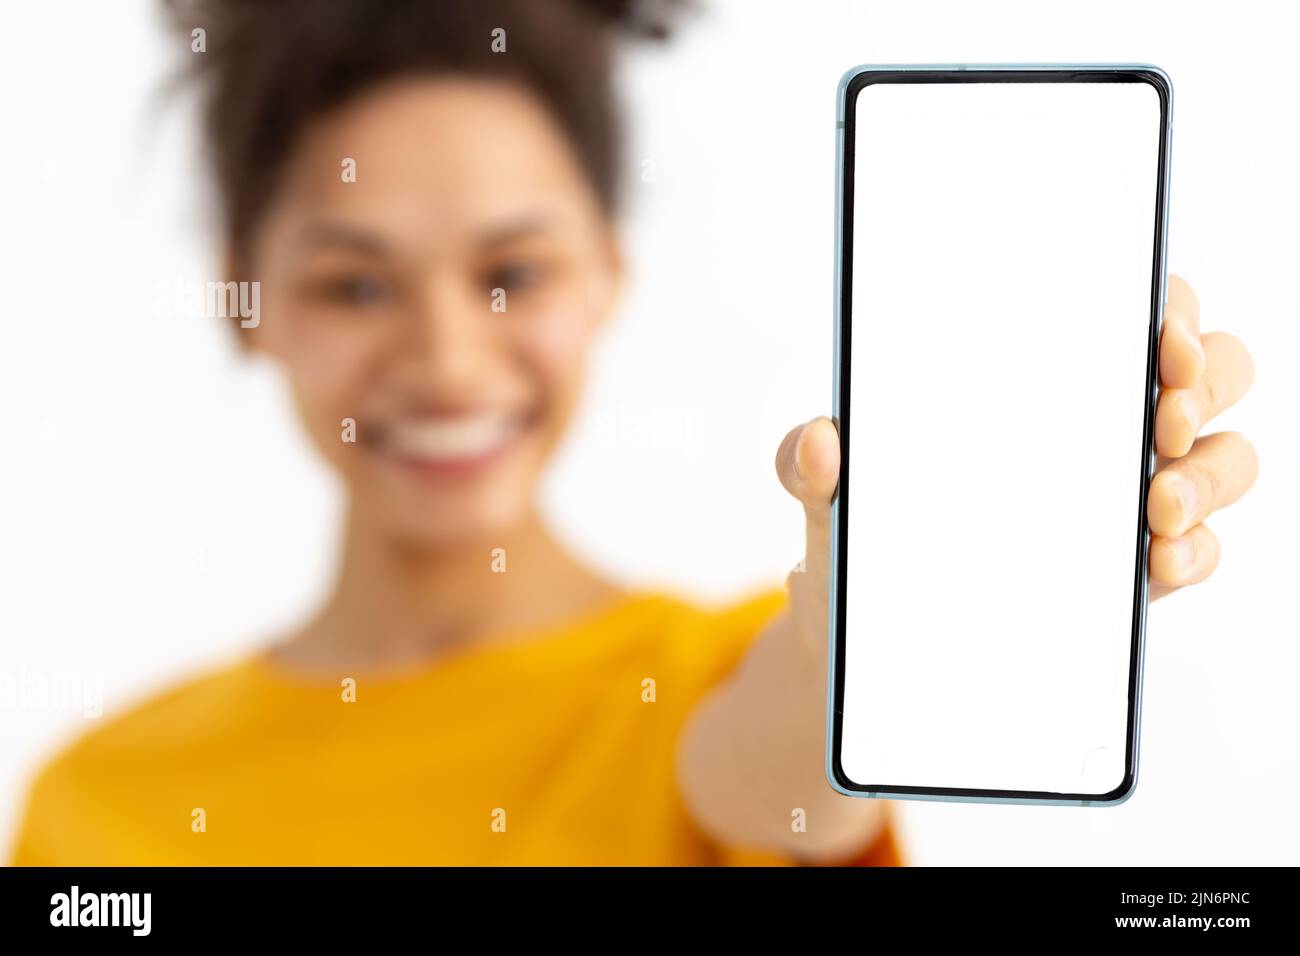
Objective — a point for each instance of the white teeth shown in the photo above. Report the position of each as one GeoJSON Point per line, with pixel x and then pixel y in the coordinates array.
{"type": "Point", "coordinates": [466, 436]}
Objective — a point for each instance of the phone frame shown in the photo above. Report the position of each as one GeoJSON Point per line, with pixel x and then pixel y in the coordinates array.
{"type": "Point", "coordinates": [852, 82]}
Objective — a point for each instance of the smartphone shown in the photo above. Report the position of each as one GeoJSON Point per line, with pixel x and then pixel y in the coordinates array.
{"type": "Point", "coordinates": [1000, 286]}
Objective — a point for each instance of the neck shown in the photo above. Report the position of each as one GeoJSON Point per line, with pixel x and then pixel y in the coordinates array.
{"type": "Point", "coordinates": [393, 604]}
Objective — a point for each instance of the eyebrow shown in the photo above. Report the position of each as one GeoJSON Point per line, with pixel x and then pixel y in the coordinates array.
{"type": "Point", "coordinates": [326, 233]}
{"type": "Point", "coordinates": [514, 229]}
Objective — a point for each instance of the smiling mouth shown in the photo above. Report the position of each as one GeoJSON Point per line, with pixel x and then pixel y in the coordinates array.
{"type": "Point", "coordinates": [451, 443]}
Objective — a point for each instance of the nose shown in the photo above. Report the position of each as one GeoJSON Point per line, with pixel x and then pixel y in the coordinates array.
{"type": "Point", "coordinates": [450, 332]}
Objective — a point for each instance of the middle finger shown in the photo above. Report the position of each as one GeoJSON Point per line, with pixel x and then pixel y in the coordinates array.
{"type": "Point", "coordinates": [1182, 412]}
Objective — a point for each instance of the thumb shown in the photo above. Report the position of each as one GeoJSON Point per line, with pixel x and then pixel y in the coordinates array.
{"type": "Point", "coordinates": [808, 463]}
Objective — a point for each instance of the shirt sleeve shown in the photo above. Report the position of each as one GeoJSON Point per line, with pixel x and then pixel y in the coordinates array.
{"type": "Point", "coordinates": [48, 801]}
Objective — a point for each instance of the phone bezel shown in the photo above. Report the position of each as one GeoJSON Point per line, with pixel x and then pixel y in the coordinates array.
{"type": "Point", "coordinates": [851, 84]}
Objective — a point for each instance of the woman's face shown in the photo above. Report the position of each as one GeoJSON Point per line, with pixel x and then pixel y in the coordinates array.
{"type": "Point", "coordinates": [444, 301]}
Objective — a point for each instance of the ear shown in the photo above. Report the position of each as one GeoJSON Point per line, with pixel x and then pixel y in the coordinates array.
{"type": "Point", "coordinates": [609, 294]}
{"type": "Point", "coordinates": [248, 340]}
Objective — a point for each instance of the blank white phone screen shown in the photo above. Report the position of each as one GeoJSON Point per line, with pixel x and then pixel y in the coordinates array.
{"type": "Point", "coordinates": [1002, 279]}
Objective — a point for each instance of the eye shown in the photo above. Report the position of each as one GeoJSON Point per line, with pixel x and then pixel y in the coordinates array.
{"type": "Point", "coordinates": [515, 275]}
{"type": "Point", "coordinates": [359, 291]}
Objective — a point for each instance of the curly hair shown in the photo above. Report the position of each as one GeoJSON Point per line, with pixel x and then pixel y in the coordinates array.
{"type": "Point", "coordinates": [269, 67]}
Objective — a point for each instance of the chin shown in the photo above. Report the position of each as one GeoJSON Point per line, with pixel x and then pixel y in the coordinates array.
{"type": "Point", "coordinates": [468, 520]}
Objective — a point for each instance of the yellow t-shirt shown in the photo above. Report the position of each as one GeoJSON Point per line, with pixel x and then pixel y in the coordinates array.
{"type": "Point", "coordinates": [553, 749]}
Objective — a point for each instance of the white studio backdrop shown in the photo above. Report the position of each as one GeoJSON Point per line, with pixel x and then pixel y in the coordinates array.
{"type": "Point", "coordinates": [160, 511]}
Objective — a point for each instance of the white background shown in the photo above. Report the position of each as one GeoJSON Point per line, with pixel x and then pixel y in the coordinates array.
{"type": "Point", "coordinates": [159, 511]}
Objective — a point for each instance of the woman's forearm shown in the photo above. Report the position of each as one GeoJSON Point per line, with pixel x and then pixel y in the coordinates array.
{"type": "Point", "coordinates": [751, 763]}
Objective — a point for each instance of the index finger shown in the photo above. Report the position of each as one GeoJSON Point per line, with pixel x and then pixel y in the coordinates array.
{"type": "Point", "coordinates": [1179, 295]}
{"type": "Point", "coordinates": [1182, 357]}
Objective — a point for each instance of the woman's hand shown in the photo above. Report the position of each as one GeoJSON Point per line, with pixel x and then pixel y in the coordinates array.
{"type": "Point", "coordinates": [1200, 376]}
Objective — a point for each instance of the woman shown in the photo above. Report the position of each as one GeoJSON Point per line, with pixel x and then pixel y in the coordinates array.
{"type": "Point", "coordinates": [426, 194]}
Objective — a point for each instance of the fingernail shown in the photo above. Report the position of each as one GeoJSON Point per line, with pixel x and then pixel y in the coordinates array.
{"type": "Point", "coordinates": [1181, 548]}
{"type": "Point", "coordinates": [794, 458]}
{"type": "Point", "coordinates": [1186, 492]}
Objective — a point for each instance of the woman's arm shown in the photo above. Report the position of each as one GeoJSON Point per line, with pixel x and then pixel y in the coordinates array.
{"type": "Point", "coordinates": [753, 751]}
